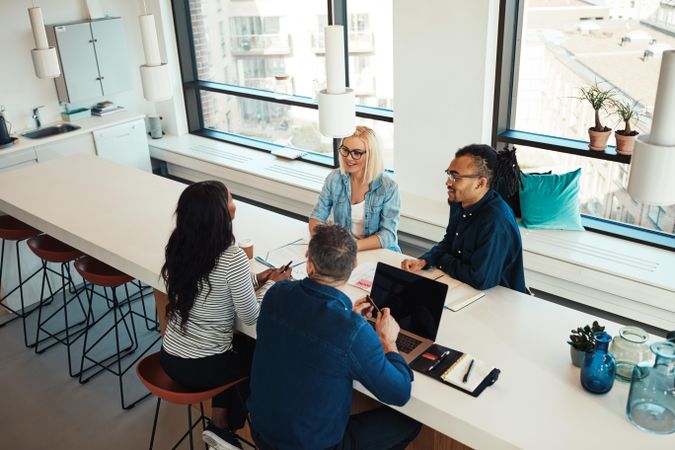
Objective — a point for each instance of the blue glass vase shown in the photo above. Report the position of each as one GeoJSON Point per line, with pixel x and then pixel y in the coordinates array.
{"type": "Point", "coordinates": [651, 400]}
{"type": "Point", "coordinates": [599, 368]}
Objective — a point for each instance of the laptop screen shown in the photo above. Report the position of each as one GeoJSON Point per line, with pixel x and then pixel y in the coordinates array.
{"type": "Point", "coordinates": [415, 302]}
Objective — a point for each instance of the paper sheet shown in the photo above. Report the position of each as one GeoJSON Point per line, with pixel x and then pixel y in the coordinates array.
{"type": "Point", "coordinates": [363, 275]}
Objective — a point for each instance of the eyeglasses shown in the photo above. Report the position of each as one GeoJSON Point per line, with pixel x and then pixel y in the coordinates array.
{"type": "Point", "coordinates": [356, 154]}
{"type": "Point", "coordinates": [454, 177]}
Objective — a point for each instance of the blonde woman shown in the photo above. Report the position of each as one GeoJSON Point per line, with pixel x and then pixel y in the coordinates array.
{"type": "Point", "coordinates": [360, 195]}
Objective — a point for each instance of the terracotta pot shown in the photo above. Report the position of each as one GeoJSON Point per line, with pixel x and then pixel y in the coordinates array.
{"type": "Point", "coordinates": [624, 144]}
{"type": "Point", "coordinates": [598, 139]}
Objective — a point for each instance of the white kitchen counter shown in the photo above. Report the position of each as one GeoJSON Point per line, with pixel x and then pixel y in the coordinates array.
{"type": "Point", "coordinates": [88, 125]}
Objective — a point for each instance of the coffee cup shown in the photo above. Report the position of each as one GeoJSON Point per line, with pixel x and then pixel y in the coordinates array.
{"type": "Point", "coordinates": [247, 246]}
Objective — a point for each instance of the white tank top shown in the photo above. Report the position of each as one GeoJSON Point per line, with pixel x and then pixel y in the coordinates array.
{"type": "Point", "coordinates": [358, 216]}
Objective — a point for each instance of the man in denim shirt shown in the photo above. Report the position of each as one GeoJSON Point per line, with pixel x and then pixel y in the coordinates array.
{"type": "Point", "coordinates": [311, 346]}
{"type": "Point", "coordinates": [482, 245]}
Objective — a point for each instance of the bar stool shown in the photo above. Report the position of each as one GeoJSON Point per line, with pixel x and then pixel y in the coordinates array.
{"type": "Point", "coordinates": [161, 385]}
{"type": "Point", "coordinates": [12, 229]}
{"type": "Point", "coordinates": [53, 251]}
{"type": "Point", "coordinates": [97, 273]}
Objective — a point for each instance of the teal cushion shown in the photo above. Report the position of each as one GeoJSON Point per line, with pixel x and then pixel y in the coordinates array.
{"type": "Point", "coordinates": [551, 201]}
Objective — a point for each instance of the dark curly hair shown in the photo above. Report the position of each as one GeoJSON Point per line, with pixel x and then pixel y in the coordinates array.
{"type": "Point", "coordinates": [203, 232]}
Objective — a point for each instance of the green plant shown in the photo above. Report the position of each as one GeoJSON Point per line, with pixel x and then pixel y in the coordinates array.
{"type": "Point", "coordinates": [599, 99]}
{"type": "Point", "coordinates": [582, 338]}
{"type": "Point", "coordinates": [627, 111]}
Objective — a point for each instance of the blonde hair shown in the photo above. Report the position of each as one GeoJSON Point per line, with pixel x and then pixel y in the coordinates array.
{"type": "Point", "coordinates": [374, 165]}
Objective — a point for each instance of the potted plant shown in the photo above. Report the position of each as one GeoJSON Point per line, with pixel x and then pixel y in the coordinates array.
{"type": "Point", "coordinates": [581, 342]}
{"type": "Point", "coordinates": [599, 99]}
{"type": "Point", "coordinates": [625, 139]}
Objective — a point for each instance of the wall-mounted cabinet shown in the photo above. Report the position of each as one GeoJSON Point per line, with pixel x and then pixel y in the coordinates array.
{"type": "Point", "coordinates": [94, 59]}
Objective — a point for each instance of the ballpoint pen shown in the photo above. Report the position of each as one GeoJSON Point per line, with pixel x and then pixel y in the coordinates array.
{"type": "Point", "coordinates": [287, 266]}
{"type": "Point", "coordinates": [468, 372]}
{"type": "Point", "coordinates": [438, 361]}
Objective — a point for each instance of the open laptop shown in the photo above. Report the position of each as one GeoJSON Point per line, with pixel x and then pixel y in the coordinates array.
{"type": "Point", "coordinates": [415, 302]}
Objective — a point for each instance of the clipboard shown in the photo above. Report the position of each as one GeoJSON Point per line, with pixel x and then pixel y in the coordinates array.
{"type": "Point", "coordinates": [452, 369]}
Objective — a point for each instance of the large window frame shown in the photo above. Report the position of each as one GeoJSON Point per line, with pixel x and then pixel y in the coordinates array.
{"type": "Point", "coordinates": [504, 134]}
{"type": "Point", "coordinates": [193, 87]}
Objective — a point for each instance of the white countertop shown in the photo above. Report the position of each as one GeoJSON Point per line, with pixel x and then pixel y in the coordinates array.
{"type": "Point", "coordinates": [87, 125]}
{"type": "Point", "coordinates": [124, 216]}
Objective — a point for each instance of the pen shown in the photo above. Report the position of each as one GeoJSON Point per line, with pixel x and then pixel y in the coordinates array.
{"type": "Point", "coordinates": [369, 298]}
{"type": "Point", "coordinates": [438, 361]}
{"type": "Point", "coordinates": [468, 372]}
{"type": "Point", "coordinates": [287, 266]}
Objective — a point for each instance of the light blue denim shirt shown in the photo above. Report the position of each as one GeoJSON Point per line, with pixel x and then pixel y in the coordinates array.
{"type": "Point", "coordinates": [382, 208]}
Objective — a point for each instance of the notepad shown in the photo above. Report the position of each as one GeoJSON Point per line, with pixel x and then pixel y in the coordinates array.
{"type": "Point", "coordinates": [459, 294]}
{"type": "Point", "coordinates": [455, 373]}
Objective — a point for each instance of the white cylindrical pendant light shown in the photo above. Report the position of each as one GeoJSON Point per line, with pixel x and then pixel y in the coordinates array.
{"type": "Point", "coordinates": [336, 102]}
{"type": "Point", "coordinates": [653, 162]}
{"type": "Point", "coordinates": [45, 59]}
{"type": "Point", "coordinates": [155, 75]}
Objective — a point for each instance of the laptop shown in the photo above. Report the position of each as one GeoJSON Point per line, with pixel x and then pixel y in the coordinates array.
{"type": "Point", "coordinates": [415, 302]}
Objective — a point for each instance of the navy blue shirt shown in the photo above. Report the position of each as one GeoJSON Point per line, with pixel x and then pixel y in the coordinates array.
{"type": "Point", "coordinates": [310, 348]}
{"type": "Point", "coordinates": [482, 245]}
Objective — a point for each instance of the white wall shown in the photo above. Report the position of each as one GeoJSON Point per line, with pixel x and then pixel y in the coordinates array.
{"type": "Point", "coordinates": [444, 64]}
{"type": "Point", "coordinates": [21, 90]}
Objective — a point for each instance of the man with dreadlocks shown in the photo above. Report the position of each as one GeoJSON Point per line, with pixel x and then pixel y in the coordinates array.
{"type": "Point", "coordinates": [482, 245]}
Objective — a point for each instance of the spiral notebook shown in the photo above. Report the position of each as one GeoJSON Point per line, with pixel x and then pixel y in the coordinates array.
{"type": "Point", "coordinates": [453, 368]}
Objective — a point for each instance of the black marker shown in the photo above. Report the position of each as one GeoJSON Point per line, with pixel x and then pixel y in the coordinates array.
{"type": "Point", "coordinates": [468, 372]}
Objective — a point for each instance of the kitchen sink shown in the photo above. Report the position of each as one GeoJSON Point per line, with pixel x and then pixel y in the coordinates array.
{"type": "Point", "coordinates": [50, 131]}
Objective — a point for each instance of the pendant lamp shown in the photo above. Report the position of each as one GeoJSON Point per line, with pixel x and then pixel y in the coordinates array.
{"type": "Point", "coordinates": [336, 102]}
{"type": "Point", "coordinates": [45, 60]}
{"type": "Point", "coordinates": [155, 75]}
{"type": "Point", "coordinates": [652, 168]}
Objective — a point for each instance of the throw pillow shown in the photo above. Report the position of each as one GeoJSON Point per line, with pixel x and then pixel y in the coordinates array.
{"type": "Point", "coordinates": [551, 201]}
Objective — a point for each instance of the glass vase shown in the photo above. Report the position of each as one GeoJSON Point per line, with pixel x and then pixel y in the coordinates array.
{"type": "Point", "coordinates": [629, 349]}
{"type": "Point", "coordinates": [651, 400]}
{"type": "Point", "coordinates": [599, 368]}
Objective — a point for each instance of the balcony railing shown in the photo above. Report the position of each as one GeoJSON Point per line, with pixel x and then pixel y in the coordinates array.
{"type": "Point", "coordinates": [261, 44]}
{"type": "Point", "coordinates": [359, 42]}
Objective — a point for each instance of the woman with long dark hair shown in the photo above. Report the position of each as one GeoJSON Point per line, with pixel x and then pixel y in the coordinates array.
{"type": "Point", "coordinates": [208, 283]}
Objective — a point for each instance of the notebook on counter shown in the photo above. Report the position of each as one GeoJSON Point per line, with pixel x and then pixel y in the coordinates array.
{"type": "Point", "coordinates": [459, 294]}
{"type": "Point", "coordinates": [452, 369]}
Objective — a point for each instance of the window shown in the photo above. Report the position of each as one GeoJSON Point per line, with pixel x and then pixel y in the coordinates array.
{"type": "Point", "coordinates": [251, 70]}
{"type": "Point", "coordinates": [553, 47]}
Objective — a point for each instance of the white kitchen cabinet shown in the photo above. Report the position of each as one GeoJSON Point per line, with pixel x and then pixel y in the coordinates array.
{"type": "Point", "coordinates": [126, 144]}
{"type": "Point", "coordinates": [84, 143]}
{"type": "Point", "coordinates": [14, 160]}
{"type": "Point", "coordinates": [94, 59]}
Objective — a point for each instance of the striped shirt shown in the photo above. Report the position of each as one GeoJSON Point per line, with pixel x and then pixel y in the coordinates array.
{"type": "Point", "coordinates": [208, 330]}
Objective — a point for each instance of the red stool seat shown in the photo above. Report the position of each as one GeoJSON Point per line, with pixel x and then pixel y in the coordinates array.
{"type": "Point", "coordinates": [99, 273]}
{"type": "Point", "coordinates": [53, 250]}
{"type": "Point", "coordinates": [159, 383]}
{"type": "Point", "coordinates": [12, 229]}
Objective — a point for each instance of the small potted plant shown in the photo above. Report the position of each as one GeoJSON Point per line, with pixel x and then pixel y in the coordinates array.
{"type": "Point", "coordinates": [581, 342]}
{"type": "Point", "coordinates": [599, 99]}
{"type": "Point", "coordinates": [625, 139]}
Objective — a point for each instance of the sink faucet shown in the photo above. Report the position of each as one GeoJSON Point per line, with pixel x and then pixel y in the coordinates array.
{"type": "Point", "coordinates": [36, 115]}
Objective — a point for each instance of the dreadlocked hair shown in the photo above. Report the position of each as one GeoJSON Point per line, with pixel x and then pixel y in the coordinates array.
{"type": "Point", "coordinates": [500, 168]}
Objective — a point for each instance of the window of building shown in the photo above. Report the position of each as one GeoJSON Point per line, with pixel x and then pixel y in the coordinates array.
{"type": "Point", "coordinates": [551, 49]}
{"type": "Point", "coordinates": [257, 87]}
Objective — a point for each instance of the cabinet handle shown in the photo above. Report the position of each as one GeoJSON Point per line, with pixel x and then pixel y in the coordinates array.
{"type": "Point", "coordinates": [91, 41]}
{"type": "Point", "coordinates": [100, 78]}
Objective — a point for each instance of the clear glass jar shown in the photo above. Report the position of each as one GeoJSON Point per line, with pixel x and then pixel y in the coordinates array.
{"type": "Point", "coordinates": [651, 400]}
{"type": "Point", "coordinates": [630, 348]}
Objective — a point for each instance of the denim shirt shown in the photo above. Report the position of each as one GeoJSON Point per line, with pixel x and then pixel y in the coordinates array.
{"type": "Point", "coordinates": [482, 245]}
{"type": "Point", "coordinates": [310, 348]}
{"type": "Point", "coordinates": [382, 208]}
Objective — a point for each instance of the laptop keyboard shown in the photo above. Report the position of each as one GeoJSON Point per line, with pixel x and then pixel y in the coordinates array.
{"type": "Point", "coordinates": [406, 344]}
